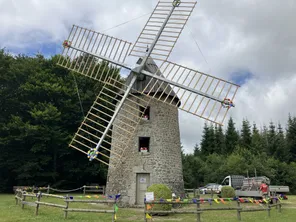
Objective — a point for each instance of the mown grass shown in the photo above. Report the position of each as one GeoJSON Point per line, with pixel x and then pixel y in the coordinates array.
{"type": "Point", "coordinates": [10, 212]}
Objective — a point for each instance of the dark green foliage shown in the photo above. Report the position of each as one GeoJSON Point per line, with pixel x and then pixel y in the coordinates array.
{"type": "Point", "coordinates": [161, 191]}
{"type": "Point", "coordinates": [291, 137]}
{"type": "Point", "coordinates": [256, 140]}
{"type": "Point", "coordinates": [208, 142]}
{"type": "Point", "coordinates": [231, 137]}
{"type": "Point", "coordinates": [271, 137]}
{"type": "Point", "coordinates": [282, 149]}
{"type": "Point", "coordinates": [269, 151]}
{"type": "Point", "coordinates": [245, 138]}
{"type": "Point", "coordinates": [227, 192]}
{"type": "Point", "coordinates": [39, 114]}
{"type": "Point", "coordinates": [192, 166]}
{"type": "Point", "coordinates": [220, 140]}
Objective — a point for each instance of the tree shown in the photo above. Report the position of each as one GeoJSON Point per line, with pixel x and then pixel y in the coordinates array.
{"type": "Point", "coordinates": [39, 113]}
{"type": "Point", "coordinates": [231, 137]}
{"type": "Point", "coordinates": [271, 137]}
{"type": "Point", "coordinates": [264, 139]}
{"type": "Point", "coordinates": [192, 171]}
{"type": "Point", "coordinates": [291, 137]}
{"type": "Point", "coordinates": [256, 140]}
{"type": "Point", "coordinates": [245, 139]}
{"type": "Point", "coordinates": [282, 151]}
{"type": "Point", "coordinates": [208, 143]}
{"type": "Point", "coordinates": [196, 151]}
{"type": "Point", "coordinates": [220, 140]}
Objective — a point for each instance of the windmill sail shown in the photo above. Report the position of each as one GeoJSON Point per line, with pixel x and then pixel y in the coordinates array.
{"type": "Point", "coordinates": [207, 103]}
{"type": "Point", "coordinates": [94, 124]}
{"type": "Point", "coordinates": [170, 33]}
{"type": "Point", "coordinates": [89, 53]}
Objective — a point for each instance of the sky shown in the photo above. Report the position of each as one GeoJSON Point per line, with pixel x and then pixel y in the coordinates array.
{"type": "Point", "coordinates": [249, 42]}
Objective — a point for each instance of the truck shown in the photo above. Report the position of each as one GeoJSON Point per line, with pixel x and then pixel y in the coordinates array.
{"type": "Point", "coordinates": [249, 186]}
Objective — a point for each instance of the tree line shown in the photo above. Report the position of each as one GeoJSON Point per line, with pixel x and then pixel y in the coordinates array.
{"type": "Point", "coordinates": [39, 114]}
{"type": "Point", "coordinates": [40, 111]}
{"type": "Point", "coordinates": [269, 151]}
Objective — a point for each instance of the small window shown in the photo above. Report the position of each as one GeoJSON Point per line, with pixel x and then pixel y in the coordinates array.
{"type": "Point", "coordinates": [144, 144]}
{"type": "Point", "coordinates": [145, 112]}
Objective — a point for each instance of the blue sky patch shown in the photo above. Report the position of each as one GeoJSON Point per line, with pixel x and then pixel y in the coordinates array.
{"type": "Point", "coordinates": [241, 77]}
{"type": "Point", "coordinates": [47, 49]}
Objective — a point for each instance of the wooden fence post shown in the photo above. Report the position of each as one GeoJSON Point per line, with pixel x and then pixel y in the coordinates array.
{"type": "Point", "coordinates": [198, 207]}
{"type": "Point", "coordinates": [238, 211]}
{"type": "Point", "coordinates": [67, 206]}
{"type": "Point", "coordinates": [280, 207]}
{"type": "Point", "coordinates": [276, 203]}
{"type": "Point", "coordinates": [268, 208]}
{"type": "Point", "coordinates": [23, 199]}
{"type": "Point", "coordinates": [84, 190]}
{"type": "Point", "coordinates": [48, 187]}
{"type": "Point", "coordinates": [17, 195]}
{"type": "Point", "coordinates": [37, 203]}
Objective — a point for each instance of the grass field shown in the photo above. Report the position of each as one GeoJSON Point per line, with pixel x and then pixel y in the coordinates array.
{"type": "Point", "coordinates": [10, 212]}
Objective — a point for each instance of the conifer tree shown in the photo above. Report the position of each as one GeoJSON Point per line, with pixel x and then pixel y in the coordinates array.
{"type": "Point", "coordinates": [245, 139]}
{"type": "Point", "coordinates": [208, 143]}
{"type": "Point", "coordinates": [291, 137]}
{"type": "Point", "coordinates": [271, 137]}
{"type": "Point", "coordinates": [196, 151]}
{"type": "Point", "coordinates": [282, 152]}
{"type": "Point", "coordinates": [256, 146]}
{"type": "Point", "coordinates": [231, 136]}
{"type": "Point", "coordinates": [220, 140]}
{"type": "Point", "coordinates": [264, 139]}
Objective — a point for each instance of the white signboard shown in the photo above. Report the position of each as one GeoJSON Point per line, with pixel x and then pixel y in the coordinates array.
{"type": "Point", "coordinates": [142, 180]}
{"type": "Point", "coordinates": [149, 196]}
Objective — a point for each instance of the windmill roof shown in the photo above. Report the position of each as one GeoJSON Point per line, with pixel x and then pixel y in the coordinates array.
{"type": "Point", "coordinates": [154, 86]}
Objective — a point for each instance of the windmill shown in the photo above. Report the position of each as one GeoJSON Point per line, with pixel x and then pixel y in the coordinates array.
{"type": "Point", "coordinates": [152, 78]}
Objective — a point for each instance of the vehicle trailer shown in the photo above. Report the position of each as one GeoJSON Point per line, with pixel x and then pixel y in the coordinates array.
{"type": "Point", "coordinates": [250, 186]}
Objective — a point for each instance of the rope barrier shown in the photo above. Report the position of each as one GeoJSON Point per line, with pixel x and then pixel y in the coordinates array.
{"type": "Point", "coordinates": [66, 191]}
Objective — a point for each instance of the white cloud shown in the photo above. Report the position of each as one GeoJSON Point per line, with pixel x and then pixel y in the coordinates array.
{"type": "Point", "coordinates": [257, 36]}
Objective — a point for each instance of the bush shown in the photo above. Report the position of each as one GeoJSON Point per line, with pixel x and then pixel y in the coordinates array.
{"type": "Point", "coordinates": [227, 192]}
{"type": "Point", "coordinates": [161, 191]}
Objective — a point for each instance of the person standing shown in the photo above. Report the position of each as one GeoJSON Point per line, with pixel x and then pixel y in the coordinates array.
{"type": "Point", "coordinates": [264, 189]}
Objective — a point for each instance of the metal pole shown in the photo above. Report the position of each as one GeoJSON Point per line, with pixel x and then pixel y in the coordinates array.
{"type": "Point", "coordinates": [157, 36]}
{"type": "Point", "coordinates": [115, 113]}
{"type": "Point", "coordinates": [181, 86]}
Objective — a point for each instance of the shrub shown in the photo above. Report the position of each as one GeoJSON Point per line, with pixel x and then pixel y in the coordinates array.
{"type": "Point", "coordinates": [227, 192]}
{"type": "Point", "coordinates": [161, 191]}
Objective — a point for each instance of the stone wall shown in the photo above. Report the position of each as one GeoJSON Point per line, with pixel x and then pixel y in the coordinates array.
{"type": "Point", "coordinates": [163, 162]}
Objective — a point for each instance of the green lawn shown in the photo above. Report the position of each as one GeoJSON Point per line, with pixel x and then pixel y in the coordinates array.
{"type": "Point", "coordinates": [11, 212]}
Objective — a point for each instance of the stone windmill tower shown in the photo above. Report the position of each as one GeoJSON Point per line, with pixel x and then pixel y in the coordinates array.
{"type": "Point", "coordinates": [132, 125]}
{"type": "Point", "coordinates": [154, 153]}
